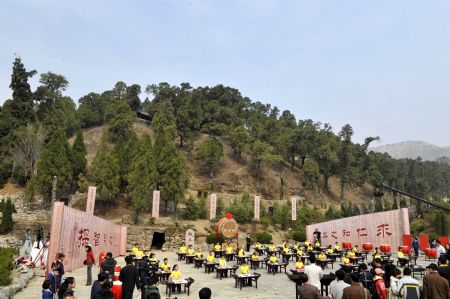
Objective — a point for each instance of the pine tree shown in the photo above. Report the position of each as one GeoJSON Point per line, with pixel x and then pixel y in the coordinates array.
{"type": "Point", "coordinates": [22, 97]}
{"type": "Point", "coordinates": [210, 151]}
{"type": "Point", "coordinates": [173, 177]}
{"type": "Point", "coordinates": [104, 173]}
{"type": "Point", "coordinates": [220, 207]}
{"type": "Point", "coordinates": [55, 160]}
{"type": "Point", "coordinates": [142, 177]}
{"type": "Point", "coordinates": [7, 208]}
{"type": "Point", "coordinates": [78, 156]}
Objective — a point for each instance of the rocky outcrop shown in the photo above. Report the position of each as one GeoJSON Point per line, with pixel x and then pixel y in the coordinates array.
{"type": "Point", "coordinates": [18, 283]}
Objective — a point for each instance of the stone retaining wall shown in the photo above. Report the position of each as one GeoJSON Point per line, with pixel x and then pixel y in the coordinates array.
{"type": "Point", "coordinates": [18, 283]}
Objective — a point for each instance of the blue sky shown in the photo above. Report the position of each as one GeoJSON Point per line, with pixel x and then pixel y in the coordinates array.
{"type": "Point", "coordinates": [382, 66]}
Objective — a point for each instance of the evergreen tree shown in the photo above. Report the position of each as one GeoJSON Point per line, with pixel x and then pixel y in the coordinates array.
{"type": "Point", "coordinates": [239, 139]}
{"type": "Point", "coordinates": [142, 177]}
{"type": "Point", "coordinates": [21, 107]}
{"type": "Point", "coordinates": [210, 151]}
{"type": "Point", "coordinates": [55, 160]}
{"type": "Point", "coordinates": [78, 156]}
{"type": "Point", "coordinates": [104, 173]}
{"type": "Point", "coordinates": [220, 207]}
{"type": "Point", "coordinates": [7, 208]}
{"type": "Point", "coordinates": [310, 174]}
{"type": "Point", "coordinates": [164, 121]}
{"type": "Point", "coordinates": [202, 208]}
{"type": "Point", "coordinates": [121, 119]}
{"type": "Point", "coordinates": [173, 177]}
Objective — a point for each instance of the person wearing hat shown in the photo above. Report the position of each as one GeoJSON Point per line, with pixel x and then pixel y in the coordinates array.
{"type": "Point", "coordinates": [435, 286]}
{"type": "Point", "coordinates": [89, 262]}
{"type": "Point", "coordinates": [355, 291]}
{"type": "Point", "coordinates": [380, 285]}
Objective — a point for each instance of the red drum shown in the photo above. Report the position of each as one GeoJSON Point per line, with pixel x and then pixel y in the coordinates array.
{"type": "Point", "coordinates": [405, 249]}
{"type": "Point", "coordinates": [431, 253]}
{"type": "Point", "coordinates": [426, 250]}
{"type": "Point", "coordinates": [385, 248]}
{"type": "Point", "coordinates": [117, 290]}
{"type": "Point", "coordinates": [117, 273]}
{"type": "Point", "coordinates": [347, 245]}
{"type": "Point", "coordinates": [367, 246]}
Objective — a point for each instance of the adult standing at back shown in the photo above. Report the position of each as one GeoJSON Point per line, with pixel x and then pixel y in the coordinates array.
{"type": "Point", "coordinates": [435, 286]}
{"type": "Point", "coordinates": [108, 266]}
{"type": "Point", "coordinates": [337, 286]}
{"type": "Point", "coordinates": [444, 268]}
{"type": "Point", "coordinates": [355, 291]}
{"type": "Point", "coordinates": [307, 290]}
{"type": "Point", "coordinates": [89, 262]}
{"type": "Point", "coordinates": [129, 276]}
{"type": "Point", "coordinates": [313, 272]}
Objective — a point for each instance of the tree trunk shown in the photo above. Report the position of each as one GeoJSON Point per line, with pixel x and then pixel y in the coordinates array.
{"type": "Point", "coordinates": [341, 197]}
{"type": "Point", "coordinates": [181, 140]}
{"type": "Point", "coordinates": [303, 161]}
{"type": "Point", "coordinates": [325, 182]}
{"type": "Point", "coordinates": [292, 162]}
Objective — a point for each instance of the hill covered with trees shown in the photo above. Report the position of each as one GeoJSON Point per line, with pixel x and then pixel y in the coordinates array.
{"type": "Point", "coordinates": [195, 125]}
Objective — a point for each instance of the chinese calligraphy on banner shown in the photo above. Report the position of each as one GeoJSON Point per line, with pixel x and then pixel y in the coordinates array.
{"type": "Point", "coordinates": [72, 230]}
{"type": "Point", "coordinates": [294, 208]}
{"type": "Point", "coordinates": [212, 206]}
{"type": "Point", "coordinates": [190, 237]}
{"type": "Point", "coordinates": [90, 204]}
{"type": "Point", "coordinates": [377, 228]}
{"type": "Point", "coordinates": [256, 207]}
{"type": "Point", "coordinates": [155, 204]}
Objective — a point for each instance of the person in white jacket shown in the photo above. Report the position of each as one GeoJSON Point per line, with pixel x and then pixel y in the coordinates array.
{"type": "Point", "coordinates": [313, 272]}
{"type": "Point", "coordinates": [393, 289]}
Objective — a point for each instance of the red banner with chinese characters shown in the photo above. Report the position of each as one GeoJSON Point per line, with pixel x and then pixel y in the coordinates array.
{"type": "Point", "coordinates": [377, 228]}
{"type": "Point", "coordinates": [72, 230]}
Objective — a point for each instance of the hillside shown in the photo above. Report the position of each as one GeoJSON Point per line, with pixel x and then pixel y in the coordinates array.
{"type": "Point", "coordinates": [235, 177]}
{"type": "Point", "coordinates": [413, 149]}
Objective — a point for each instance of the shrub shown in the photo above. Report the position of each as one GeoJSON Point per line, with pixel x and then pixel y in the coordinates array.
{"type": "Point", "coordinates": [6, 262]}
{"type": "Point", "coordinates": [263, 237]}
{"type": "Point", "coordinates": [418, 226]}
{"type": "Point", "coordinates": [299, 235]}
{"type": "Point", "coordinates": [242, 210]}
{"type": "Point", "coordinates": [213, 239]}
{"type": "Point", "coordinates": [7, 208]}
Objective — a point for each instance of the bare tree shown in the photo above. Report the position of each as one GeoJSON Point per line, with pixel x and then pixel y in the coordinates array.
{"type": "Point", "coordinates": [28, 144]}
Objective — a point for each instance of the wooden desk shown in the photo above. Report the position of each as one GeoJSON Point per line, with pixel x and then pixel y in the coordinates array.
{"type": "Point", "coordinates": [163, 276]}
{"type": "Point", "coordinates": [224, 270]}
{"type": "Point", "coordinates": [219, 253]}
{"type": "Point", "coordinates": [198, 262]}
{"type": "Point", "coordinates": [172, 283]}
{"type": "Point", "coordinates": [273, 268]}
{"type": "Point", "coordinates": [209, 267]}
{"type": "Point", "coordinates": [240, 279]}
{"type": "Point", "coordinates": [190, 258]}
{"type": "Point", "coordinates": [325, 262]}
{"type": "Point", "coordinates": [181, 256]}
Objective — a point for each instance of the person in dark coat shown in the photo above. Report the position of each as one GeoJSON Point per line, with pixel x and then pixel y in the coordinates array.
{"type": "Point", "coordinates": [435, 286]}
{"type": "Point", "coordinates": [108, 266]}
{"type": "Point", "coordinates": [129, 276]}
{"type": "Point", "coordinates": [444, 268]}
{"type": "Point", "coordinates": [306, 290]}
{"type": "Point", "coordinates": [355, 291]}
{"type": "Point", "coordinates": [100, 288]}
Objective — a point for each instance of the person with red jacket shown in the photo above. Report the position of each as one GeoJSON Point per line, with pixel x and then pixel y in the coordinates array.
{"type": "Point", "coordinates": [89, 262]}
{"type": "Point", "coordinates": [380, 286]}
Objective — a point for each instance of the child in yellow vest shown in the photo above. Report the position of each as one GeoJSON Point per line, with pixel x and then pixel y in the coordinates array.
{"type": "Point", "coordinates": [322, 256]}
{"type": "Point", "coordinates": [244, 268]}
{"type": "Point", "coordinates": [229, 249]}
{"type": "Point", "coordinates": [165, 266]}
{"type": "Point", "coordinates": [174, 276]}
{"type": "Point", "coordinates": [222, 261]}
{"type": "Point", "coordinates": [190, 250]}
{"type": "Point", "coordinates": [255, 256]}
{"type": "Point", "coordinates": [217, 247]}
{"type": "Point", "coordinates": [336, 247]}
{"type": "Point", "coordinates": [198, 254]}
{"type": "Point", "coordinates": [241, 252]}
{"type": "Point", "coordinates": [273, 259]}
{"type": "Point", "coordinates": [183, 249]}
{"type": "Point", "coordinates": [299, 265]}
{"type": "Point", "coordinates": [211, 259]}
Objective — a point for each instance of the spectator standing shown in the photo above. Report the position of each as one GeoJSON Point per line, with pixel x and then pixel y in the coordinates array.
{"type": "Point", "coordinates": [393, 286]}
{"type": "Point", "coordinates": [129, 276]}
{"type": "Point", "coordinates": [435, 286]}
{"type": "Point", "coordinates": [39, 236]}
{"type": "Point", "coordinates": [407, 286]}
{"type": "Point", "coordinates": [316, 235]}
{"type": "Point", "coordinates": [355, 291]}
{"type": "Point", "coordinates": [380, 285]}
{"type": "Point", "coordinates": [337, 286]}
{"type": "Point", "coordinates": [444, 268]}
{"type": "Point", "coordinates": [54, 277]}
{"type": "Point", "coordinates": [90, 261]}
{"type": "Point", "coordinates": [46, 292]}
{"type": "Point", "coordinates": [307, 290]}
{"type": "Point", "coordinates": [108, 266]}
{"type": "Point", "coordinates": [415, 246]}
{"type": "Point", "coordinates": [313, 272]}
{"type": "Point", "coordinates": [100, 289]}
{"type": "Point", "coordinates": [205, 293]}
{"type": "Point", "coordinates": [440, 249]}
{"type": "Point", "coordinates": [67, 287]}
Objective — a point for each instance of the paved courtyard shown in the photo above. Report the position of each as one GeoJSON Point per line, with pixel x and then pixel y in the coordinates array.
{"type": "Point", "coordinates": [269, 286]}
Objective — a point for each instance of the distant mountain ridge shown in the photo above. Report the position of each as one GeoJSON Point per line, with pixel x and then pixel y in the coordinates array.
{"type": "Point", "coordinates": [413, 149]}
